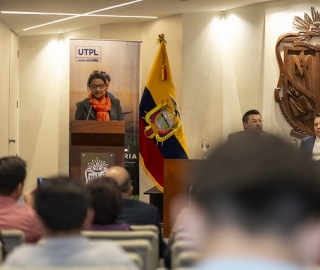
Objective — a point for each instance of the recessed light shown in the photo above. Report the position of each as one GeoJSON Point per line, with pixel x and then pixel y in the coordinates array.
{"type": "Point", "coordinates": [223, 9]}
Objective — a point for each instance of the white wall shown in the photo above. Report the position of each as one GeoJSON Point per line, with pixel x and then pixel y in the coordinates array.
{"type": "Point", "coordinates": [41, 113]}
{"type": "Point", "coordinates": [223, 64]}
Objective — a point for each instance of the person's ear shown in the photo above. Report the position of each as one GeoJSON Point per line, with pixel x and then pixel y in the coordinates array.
{"type": "Point", "coordinates": [130, 191]}
{"type": "Point", "coordinates": [88, 219]}
{"type": "Point", "coordinates": [19, 189]}
{"type": "Point", "coordinates": [17, 192]}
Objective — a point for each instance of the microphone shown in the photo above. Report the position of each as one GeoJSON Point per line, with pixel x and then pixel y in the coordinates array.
{"type": "Point", "coordinates": [89, 112]}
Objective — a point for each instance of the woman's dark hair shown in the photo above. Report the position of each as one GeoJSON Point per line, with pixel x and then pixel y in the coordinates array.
{"type": "Point", "coordinates": [106, 200]}
{"type": "Point", "coordinates": [96, 75]}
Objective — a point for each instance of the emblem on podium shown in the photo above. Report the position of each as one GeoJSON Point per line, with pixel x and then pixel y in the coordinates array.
{"type": "Point", "coordinates": [94, 165]}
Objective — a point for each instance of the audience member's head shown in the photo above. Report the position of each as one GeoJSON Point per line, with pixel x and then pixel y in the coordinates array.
{"type": "Point", "coordinates": [62, 204]}
{"type": "Point", "coordinates": [12, 176]}
{"type": "Point", "coordinates": [264, 191]}
{"type": "Point", "coordinates": [123, 179]}
{"type": "Point", "coordinates": [106, 200]}
{"type": "Point", "coordinates": [252, 122]}
{"type": "Point", "coordinates": [316, 124]}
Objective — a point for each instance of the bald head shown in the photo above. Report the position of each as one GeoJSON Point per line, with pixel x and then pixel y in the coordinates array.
{"type": "Point", "coordinates": [121, 176]}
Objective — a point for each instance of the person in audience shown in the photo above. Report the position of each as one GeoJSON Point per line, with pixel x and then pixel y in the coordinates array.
{"type": "Point", "coordinates": [63, 206]}
{"type": "Point", "coordinates": [311, 144]}
{"type": "Point", "coordinates": [135, 212]}
{"type": "Point", "coordinates": [12, 214]}
{"type": "Point", "coordinates": [106, 204]}
{"type": "Point", "coordinates": [252, 125]}
{"type": "Point", "coordinates": [257, 206]}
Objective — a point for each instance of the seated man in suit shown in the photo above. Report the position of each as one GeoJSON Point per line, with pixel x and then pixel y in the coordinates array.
{"type": "Point", "coordinates": [135, 212]}
{"type": "Point", "coordinates": [252, 124]}
{"type": "Point", "coordinates": [13, 215]}
{"type": "Point", "coordinates": [63, 206]}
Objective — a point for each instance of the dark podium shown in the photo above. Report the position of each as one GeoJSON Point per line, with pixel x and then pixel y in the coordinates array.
{"type": "Point", "coordinates": [156, 199]}
{"type": "Point", "coordinates": [178, 175]}
{"type": "Point", "coordinates": [95, 146]}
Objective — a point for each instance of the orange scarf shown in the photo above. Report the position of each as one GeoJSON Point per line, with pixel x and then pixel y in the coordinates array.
{"type": "Point", "coordinates": [102, 107]}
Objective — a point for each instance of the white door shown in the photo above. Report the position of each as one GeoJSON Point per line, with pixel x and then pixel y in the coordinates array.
{"type": "Point", "coordinates": [9, 89]}
{"type": "Point", "coordinates": [13, 95]}
{"type": "Point", "coordinates": [4, 89]}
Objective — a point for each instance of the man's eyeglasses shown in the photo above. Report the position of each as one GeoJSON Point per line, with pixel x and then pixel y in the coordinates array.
{"type": "Point", "coordinates": [96, 86]}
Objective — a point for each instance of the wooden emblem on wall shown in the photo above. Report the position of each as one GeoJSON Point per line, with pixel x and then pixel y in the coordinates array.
{"type": "Point", "coordinates": [298, 89]}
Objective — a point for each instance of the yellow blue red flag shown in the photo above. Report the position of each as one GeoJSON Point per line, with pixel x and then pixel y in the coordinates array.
{"type": "Point", "coordinates": [160, 126]}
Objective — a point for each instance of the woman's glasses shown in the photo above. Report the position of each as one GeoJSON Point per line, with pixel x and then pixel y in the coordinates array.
{"type": "Point", "coordinates": [96, 86]}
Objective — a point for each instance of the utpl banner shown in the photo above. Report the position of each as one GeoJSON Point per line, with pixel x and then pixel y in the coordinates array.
{"type": "Point", "coordinates": [121, 60]}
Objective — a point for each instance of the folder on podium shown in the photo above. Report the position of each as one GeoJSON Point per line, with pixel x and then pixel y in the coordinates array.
{"type": "Point", "coordinates": [95, 146]}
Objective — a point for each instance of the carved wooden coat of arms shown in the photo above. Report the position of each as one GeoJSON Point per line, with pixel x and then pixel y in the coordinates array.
{"type": "Point", "coordinates": [298, 89]}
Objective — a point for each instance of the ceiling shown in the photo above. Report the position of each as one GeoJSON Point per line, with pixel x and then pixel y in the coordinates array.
{"type": "Point", "coordinates": [156, 8]}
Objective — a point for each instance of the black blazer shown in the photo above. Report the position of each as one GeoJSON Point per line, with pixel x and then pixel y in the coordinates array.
{"type": "Point", "coordinates": [83, 109]}
{"type": "Point", "coordinates": [242, 134]}
{"type": "Point", "coordinates": [140, 213]}
{"type": "Point", "coordinates": [307, 144]}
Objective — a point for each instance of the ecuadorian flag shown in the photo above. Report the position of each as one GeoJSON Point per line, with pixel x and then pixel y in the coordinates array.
{"type": "Point", "coordinates": [160, 126]}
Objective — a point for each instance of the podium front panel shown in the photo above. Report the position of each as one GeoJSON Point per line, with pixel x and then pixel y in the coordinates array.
{"type": "Point", "coordinates": [76, 169]}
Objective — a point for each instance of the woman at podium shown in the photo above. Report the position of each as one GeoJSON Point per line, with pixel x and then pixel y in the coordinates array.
{"type": "Point", "coordinates": [99, 105]}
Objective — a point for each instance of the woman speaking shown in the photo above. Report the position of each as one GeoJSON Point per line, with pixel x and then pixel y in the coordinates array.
{"type": "Point", "coordinates": [98, 105]}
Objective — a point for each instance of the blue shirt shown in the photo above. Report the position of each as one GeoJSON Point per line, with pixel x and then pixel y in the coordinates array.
{"type": "Point", "coordinates": [246, 263]}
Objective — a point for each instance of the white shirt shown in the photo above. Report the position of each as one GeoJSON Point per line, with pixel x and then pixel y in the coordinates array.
{"type": "Point", "coordinates": [316, 149]}
{"type": "Point", "coordinates": [68, 252]}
